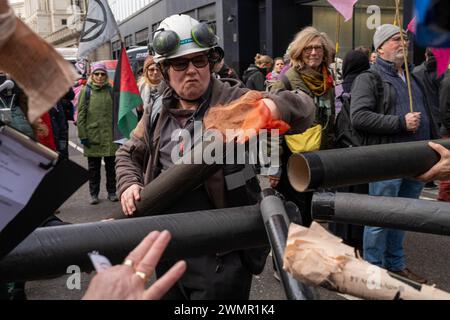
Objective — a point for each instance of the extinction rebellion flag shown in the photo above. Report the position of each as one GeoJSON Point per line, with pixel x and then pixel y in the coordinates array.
{"type": "Point", "coordinates": [99, 27]}
{"type": "Point", "coordinates": [126, 97]}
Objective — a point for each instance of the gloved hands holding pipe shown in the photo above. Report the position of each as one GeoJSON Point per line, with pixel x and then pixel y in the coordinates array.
{"type": "Point", "coordinates": [240, 120]}
{"type": "Point", "coordinates": [245, 116]}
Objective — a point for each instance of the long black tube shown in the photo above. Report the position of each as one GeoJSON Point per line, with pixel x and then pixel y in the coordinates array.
{"type": "Point", "coordinates": [48, 252]}
{"type": "Point", "coordinates": [178, 180]}
{"type": "Point", "coordinates": [395, 213]}
{"type": "Point", "coordinates": [352, 166]}
{"type": "Point", "coordinates": [276, 221]}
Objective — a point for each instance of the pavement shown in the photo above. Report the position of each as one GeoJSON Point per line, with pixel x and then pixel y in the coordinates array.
{"type": "Point", "coordinates": [427, 255]}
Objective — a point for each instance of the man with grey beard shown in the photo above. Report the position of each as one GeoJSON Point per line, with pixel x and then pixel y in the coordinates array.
{"type": "Point", "coordinates": [380, 110]}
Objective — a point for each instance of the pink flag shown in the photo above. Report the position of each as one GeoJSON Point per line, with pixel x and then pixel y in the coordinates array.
{"type": "Point", "coordinates": [443, 59]}
{"type": "Point", "coordinates": [412, 26]}
{"type": "Point", "coordinates": [345, 7]}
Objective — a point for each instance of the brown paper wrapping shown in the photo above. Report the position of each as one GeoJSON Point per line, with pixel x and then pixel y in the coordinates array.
{"type": "Point", "coordinates": [316, 257]}
{"type": "Point", "coordinates": [41, 72]}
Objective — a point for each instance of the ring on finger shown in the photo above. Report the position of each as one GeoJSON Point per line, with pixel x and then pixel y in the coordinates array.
{"type": "Point", "coordinates": [129, 263]}
{"type": "Point", "coordinates": [142, 275]}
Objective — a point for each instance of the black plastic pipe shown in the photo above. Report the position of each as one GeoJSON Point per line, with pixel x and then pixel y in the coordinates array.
{"type": "Point", "coordinates": [352, 166]}
{"type": "Point", "coordinates": [276, 223]}
{"type": "Point", "coordinates": [178, 180]}
{"type": "Point", "coordinates": [395, 213]}
{"type": "Point", "coordinates": [48, 252]}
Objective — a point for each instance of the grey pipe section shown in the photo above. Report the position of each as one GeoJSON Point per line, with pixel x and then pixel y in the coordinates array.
{"type": "Point", "coordinates": [395, 213]}
{"type": "Point", "coordinates": [352, 166]}
{"type": "Point", "coordinates": [48, 252]}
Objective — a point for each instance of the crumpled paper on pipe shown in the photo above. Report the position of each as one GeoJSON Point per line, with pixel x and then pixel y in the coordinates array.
{"type": "Point", "coordinates": [316, 257]}
{"type": "Point", "coordinates": [34, 64]}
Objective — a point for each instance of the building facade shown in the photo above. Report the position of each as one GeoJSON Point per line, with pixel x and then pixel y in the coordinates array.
{"type": "Point", "coordinates": [19, 8]}
{"type": "Point", "coordinates": [248, 27]}
{"type": "Point", "coordinates": [123, 9]}
{"type": "Point", "coordinates": [57, 21]}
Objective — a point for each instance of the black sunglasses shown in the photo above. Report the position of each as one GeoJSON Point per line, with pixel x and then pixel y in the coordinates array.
{"type": "Point", "coordinates": [100, 74]}
{"type": "Point", "coordinates": [181, 64]}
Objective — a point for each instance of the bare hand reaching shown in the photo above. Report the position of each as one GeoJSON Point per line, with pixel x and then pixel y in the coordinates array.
{"type": "Point", "coordinates": [441, 171]}
{"type": "Point", "coordinates": [127, 281]}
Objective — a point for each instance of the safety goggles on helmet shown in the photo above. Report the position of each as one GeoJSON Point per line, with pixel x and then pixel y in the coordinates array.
{"type": "Point", "coordinates": [167, 42]}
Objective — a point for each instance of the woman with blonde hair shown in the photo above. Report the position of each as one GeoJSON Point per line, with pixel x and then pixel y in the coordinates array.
{"type": "Point", "coordinates": [255, 76]}
{"type": "Point", "coordinates": [311, 55]}
{"type": "Point", "coordinates": [150, 84]}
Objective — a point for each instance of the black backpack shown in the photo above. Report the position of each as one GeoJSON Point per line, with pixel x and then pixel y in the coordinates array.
{"type": "Point", "coordinates": [346, 135]}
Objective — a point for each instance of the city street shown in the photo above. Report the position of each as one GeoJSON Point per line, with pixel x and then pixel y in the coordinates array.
{"type": "Point", "coordinates": [427, 255]}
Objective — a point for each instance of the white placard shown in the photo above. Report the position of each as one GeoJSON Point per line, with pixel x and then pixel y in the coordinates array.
{"type": "Point", "coordinates": [20, 175]}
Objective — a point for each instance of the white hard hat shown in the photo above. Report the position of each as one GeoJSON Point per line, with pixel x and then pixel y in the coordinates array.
{"type": "Point", "coordinates": [179, 35]}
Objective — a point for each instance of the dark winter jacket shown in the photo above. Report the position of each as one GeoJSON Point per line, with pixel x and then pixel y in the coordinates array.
{"type": "Point", "coordinates": [374, 111]}
{"type": "Point", "coordinates": [444, 102]}
{"type": "Point", "coordinates": [254, 78]}
{"type": "Point", "coordinates": [139, 158]}
{"type": "Point", "coordinates": [426, 73]}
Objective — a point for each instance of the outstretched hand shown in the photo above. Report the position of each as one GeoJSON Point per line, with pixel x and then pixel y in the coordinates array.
{"type": "Point", "coordinates": [127, 281]}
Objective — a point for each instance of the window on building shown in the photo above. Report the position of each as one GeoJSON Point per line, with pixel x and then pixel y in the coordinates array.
{"type": "Point", "coordinates": [64, 22]}
{"type": "Point", "coordinates": [116, 45]}
{"type": "Point", "coordinates": [356, 32]}
{"type": "Point", "coordinates": [116, 49]}
{"type": "Point", "coordinates": [128, 41]}
{"type": "Point", "coordinates": [154, 28]}
{"type": "Point", "coordinates": [142, 37]}
{"type": "Point", "coordinates": [207, 13]}
{"type": "Point", "coordinates": [191, 13]}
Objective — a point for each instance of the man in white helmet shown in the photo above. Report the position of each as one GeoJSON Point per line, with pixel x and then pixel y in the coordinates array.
{"type": "Point", "coordinates": [186, 52]}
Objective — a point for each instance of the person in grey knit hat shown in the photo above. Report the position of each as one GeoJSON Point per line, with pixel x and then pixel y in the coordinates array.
{"type": "Point", "coordinates": [386, 118]}
{"type": "Point", "coordinates": [384, 33]}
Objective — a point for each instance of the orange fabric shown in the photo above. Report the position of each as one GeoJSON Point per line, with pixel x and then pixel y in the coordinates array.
{"type": "Point", "coordinates": [246, 113]}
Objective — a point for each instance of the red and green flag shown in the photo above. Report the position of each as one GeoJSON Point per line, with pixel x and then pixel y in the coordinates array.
{"type": "Point", "coordinates": [126, 97]}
